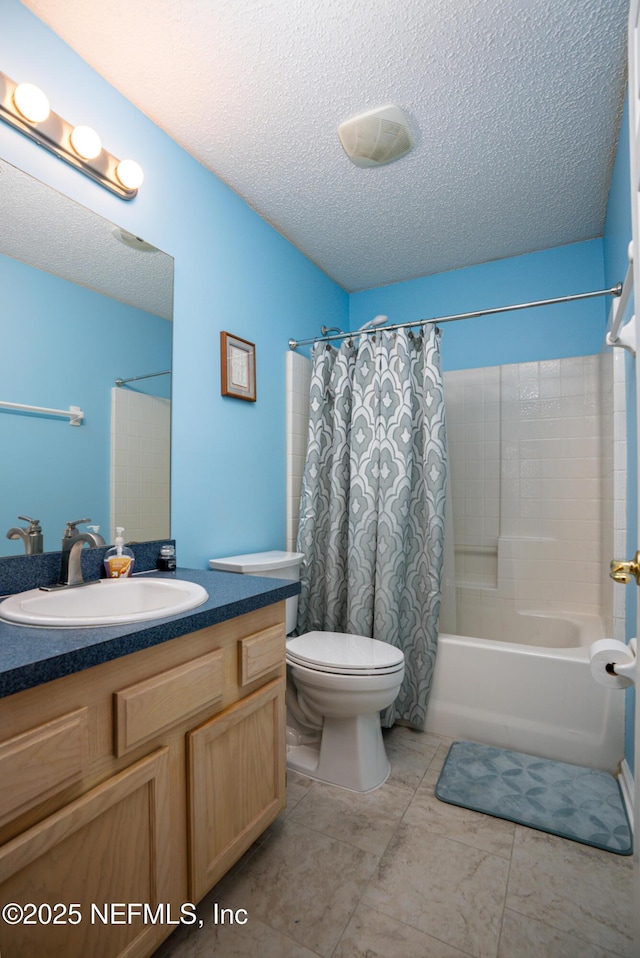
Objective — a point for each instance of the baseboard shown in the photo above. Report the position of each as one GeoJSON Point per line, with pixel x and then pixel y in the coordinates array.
{"type": "Point", "coordinates": [625, 780]}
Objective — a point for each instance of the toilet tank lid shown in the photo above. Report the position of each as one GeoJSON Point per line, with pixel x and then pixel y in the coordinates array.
{"type": "Point", "coordinates": [258, 562]}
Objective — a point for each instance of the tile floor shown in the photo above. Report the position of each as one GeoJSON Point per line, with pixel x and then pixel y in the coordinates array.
{"type": "Point", "coordinates": [398, 874]}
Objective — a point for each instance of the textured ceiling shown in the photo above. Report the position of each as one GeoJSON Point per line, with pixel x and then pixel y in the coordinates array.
{"type": "Point", "coordinates": [514, 106]}
{"type": "Point", "coordinates": [47, 230]}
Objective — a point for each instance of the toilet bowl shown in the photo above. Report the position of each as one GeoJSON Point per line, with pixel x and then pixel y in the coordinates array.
{"type": "Point", "coordinates": [337, 685]}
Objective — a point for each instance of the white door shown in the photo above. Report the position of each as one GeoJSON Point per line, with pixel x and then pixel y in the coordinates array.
{"type": "Point", "coordinates": [634, 133]}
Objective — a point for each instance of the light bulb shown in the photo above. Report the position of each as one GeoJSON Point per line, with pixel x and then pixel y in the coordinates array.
{"type": "Point", "coordinates": [31, 102]}
{"type": "Point", "coordinates": [86, 142]}
{"type": "Point", "coordinates": [130, 174]}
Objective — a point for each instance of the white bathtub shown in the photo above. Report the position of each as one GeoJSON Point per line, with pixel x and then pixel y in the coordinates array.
{"type": "Point", "coordinates": [534, 695]}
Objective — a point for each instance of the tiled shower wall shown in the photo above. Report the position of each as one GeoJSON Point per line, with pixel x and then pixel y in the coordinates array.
{"type": "Point", "coordinates": [538, 438]}
{"type": "Point", "coordinates": [140, 465]}
{"type": "Point", "coordinates": [472, 403]}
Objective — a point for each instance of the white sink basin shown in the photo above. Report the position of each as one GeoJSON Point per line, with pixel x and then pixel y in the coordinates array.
{"type": "Point", "coordinates": [105, 602]}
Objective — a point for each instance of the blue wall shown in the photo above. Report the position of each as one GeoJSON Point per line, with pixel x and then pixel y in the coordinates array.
{"type": "Point", "coordinates": [548, 332]}
{"type": "Point", "coordinates": [233, 272]}
{"type": "Point", "coordinates": [64, 345]}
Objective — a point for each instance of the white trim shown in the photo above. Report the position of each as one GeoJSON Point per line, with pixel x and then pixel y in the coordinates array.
{"type": "Point", "coordinates": [625, 780]}
{"type": "Point", "coordinates": [634, 164]}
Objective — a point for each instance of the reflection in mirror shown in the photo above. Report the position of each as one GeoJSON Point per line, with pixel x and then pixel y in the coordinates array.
{"type": "Point", "coordinates": [84, 304]}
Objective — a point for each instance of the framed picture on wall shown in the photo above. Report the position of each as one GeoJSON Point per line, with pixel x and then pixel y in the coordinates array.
{"type": "Point", "coordinates": [237, 367]}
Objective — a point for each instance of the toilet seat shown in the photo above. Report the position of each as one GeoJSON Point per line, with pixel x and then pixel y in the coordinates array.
{"type": "Point", "coordinates": [344, 654]}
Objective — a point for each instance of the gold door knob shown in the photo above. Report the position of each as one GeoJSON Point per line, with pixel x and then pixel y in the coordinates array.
{"type": "Point", "coordinates": [623, 572]}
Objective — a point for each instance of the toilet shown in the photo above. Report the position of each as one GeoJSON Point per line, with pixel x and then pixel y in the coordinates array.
{"type": "Point", "coordinates": [337, 685]}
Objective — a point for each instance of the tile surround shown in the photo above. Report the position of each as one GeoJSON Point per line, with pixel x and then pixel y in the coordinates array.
{"type": "Point", "coordinates": [446, 884]}
{"type": "Point", "coordinates": [537, 460]}
{"type": "Point", "coordinates": [140, 464]}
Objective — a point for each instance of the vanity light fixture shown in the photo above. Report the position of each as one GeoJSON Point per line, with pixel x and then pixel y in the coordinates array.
{"type": "Point", "coordinates": [86, 142]}
{"type": "Point", "coordinates": [31, 102]}
{"type": "Point", "coordinates": [26, 108]}
{"type": "Point", "coordinates": [130, 174]}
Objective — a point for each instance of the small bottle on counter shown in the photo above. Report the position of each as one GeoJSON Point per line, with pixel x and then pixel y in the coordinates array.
{"type": "Point", "coordinates": [167, 558]}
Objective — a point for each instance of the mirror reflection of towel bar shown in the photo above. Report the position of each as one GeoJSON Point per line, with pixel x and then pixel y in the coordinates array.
{"type": "Point", "coordinates": [74, 414]}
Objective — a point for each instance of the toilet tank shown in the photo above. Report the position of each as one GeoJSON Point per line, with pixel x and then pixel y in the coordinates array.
{"type": "Point", "coordinates": [275, 564]}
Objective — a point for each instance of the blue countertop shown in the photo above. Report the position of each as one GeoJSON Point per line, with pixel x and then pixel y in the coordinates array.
{"type": "Point", "coordinates": [32, 656]}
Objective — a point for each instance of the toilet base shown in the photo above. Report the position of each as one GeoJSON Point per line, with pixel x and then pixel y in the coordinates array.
{"type": "Point", "coordinates": [350, 754]}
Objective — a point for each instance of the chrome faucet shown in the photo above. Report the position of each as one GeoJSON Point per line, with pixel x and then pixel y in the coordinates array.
{"type": "Point", "coordinates": [31, 537]}
{"type": "Point", "coordinates": [72, 543]}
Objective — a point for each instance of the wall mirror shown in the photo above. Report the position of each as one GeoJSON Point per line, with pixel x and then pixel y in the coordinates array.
{"type": "Point", "coordinates": [84, 305]}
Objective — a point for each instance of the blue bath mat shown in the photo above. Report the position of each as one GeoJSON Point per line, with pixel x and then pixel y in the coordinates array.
{"type": "Point", "coordinates": [566, 800]}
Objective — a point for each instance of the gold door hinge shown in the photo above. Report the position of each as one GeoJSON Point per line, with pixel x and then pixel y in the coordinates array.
{"type": "Point", "coordinates": [623, 572]}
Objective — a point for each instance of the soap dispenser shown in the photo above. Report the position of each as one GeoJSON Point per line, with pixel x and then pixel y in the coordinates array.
{"type": "Point", "coordinates": [119, 560]}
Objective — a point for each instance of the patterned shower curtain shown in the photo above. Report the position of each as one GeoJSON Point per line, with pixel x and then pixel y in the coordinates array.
{"type": "Point", "coordinates": [372, 506]}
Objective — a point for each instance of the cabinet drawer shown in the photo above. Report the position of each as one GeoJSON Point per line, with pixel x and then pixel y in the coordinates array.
{"type": "Point", "coordinates": [42, 761]}
{"type": "Point", "coordinates": [147, 708]}
{"type": "Point", "coordinates": [260, 654]}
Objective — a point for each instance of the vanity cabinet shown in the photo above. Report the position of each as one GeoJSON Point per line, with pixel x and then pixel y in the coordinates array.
{"type": "Point", "coordinates": [136, 784]}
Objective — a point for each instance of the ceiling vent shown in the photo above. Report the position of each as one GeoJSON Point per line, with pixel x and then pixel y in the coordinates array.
{"type": "Point", "coordinates": [376, 137]}
{"type": "Point", "coordinates": [135, 242]}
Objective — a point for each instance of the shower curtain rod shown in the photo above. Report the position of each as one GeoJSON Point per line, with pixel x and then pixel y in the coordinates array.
{"type": "Point", "coordinates": [613, 291]}
{"type": "Point", "coordinates": [134, 379]}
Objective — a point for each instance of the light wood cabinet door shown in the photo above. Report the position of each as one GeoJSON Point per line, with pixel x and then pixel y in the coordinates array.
{"type": "Point", "coordinates": [110, 846]}
{"type": "Point", "coordinates": [236, 780]}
